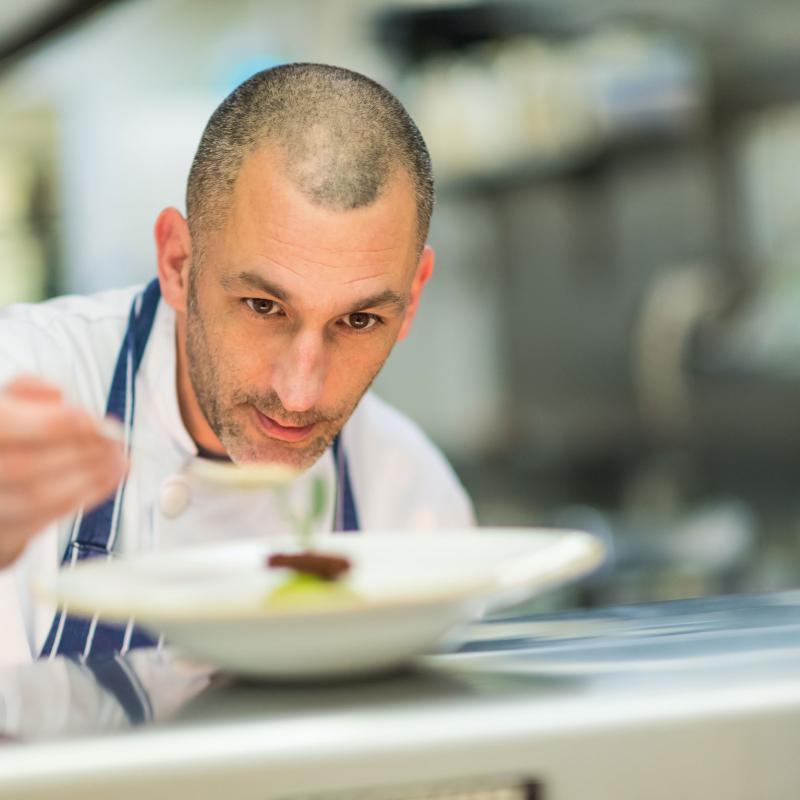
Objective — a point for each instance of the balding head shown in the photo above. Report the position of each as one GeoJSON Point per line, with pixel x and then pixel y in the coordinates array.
{"type": "Point", "coordinates": [341, 136]}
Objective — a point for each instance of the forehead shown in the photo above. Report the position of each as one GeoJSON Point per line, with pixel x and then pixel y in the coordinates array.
{"type": "Point", "coordinates": [271, 224]}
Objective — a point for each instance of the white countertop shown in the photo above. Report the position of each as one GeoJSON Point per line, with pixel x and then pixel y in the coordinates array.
{"type": "Point", "coordinates": [689, 700]}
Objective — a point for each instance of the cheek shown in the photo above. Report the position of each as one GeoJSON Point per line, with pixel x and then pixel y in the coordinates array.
{"type": "Point", "coordinates": [243, 356]}
{"type": "Point", "coordinates": [354, 365]}
{"type": "Point", "coordinates": [251, 361]}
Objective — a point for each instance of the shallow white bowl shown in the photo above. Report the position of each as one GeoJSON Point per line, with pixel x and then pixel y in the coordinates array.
{"type": "Point", "coordinates": [410, 588]}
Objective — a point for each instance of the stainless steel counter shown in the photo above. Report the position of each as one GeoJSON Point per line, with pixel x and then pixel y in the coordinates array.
{"type": "Point", "coordinates": [692, 699]}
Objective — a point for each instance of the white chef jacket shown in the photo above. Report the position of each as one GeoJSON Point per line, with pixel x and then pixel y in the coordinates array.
{"type": "Point", "coordinates": [400, 479]}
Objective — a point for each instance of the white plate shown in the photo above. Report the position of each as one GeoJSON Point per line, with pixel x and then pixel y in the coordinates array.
{"type": "Point", "coordinates": [410, 589]}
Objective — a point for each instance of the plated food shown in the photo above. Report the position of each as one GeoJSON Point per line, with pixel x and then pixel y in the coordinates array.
{"type": "Point", "coordinates": [221, 604]}
{"type": "Point", "coordinates": [313, 578]}
{"type": "Point", "coordinates": [324, 566]}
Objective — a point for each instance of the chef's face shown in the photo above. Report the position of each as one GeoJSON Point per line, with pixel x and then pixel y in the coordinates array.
{"type": "Point", "coordinates": [293, 309]}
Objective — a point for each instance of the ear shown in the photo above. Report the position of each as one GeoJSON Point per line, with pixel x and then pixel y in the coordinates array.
{"type": "Point", "coordinates": [421, 277]}
{"type": "Point", "coordinates": [174, 249]}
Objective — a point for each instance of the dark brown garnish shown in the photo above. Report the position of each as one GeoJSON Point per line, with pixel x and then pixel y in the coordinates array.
{"type": "Point", "coordinates": [309, 562]}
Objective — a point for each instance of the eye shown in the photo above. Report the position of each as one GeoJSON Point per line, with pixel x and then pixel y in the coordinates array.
{"type": "Point", "coordinates": [361, 321]}
{"type": "Point", "coordinates": [262, 307]}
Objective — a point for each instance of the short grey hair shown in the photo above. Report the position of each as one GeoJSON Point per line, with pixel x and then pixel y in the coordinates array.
{"type": "Point", "coordinates": [342, 134]}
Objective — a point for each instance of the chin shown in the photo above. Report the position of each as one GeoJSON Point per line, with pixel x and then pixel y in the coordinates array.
{"type": "Point", "coordinates": [300, 458]}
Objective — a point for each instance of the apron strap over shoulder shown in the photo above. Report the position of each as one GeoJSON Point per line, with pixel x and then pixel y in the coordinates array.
{"type": "Point", "coordinates": [94, 533]}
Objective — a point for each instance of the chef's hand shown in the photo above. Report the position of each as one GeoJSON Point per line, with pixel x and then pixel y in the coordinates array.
{"type": "Point", "coordinates": [54, 459]}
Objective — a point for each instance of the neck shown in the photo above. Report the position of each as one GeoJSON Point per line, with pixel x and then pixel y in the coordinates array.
{"type": "Point", "coordinates": [193, 418]}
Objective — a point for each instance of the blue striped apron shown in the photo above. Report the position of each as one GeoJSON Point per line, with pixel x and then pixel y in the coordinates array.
{"type": "Point", "coordinates": [94, 533]}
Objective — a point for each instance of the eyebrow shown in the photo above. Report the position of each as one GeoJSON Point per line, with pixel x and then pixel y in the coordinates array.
{"type": "Point", "coordinates": [252, 280]}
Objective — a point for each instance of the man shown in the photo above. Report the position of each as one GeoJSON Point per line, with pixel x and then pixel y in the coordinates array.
{"type": "Point", "coordinates": [300, 263]}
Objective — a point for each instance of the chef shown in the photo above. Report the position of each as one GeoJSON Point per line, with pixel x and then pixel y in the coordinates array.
{"type": "Point", "coordinates": [299, 264]}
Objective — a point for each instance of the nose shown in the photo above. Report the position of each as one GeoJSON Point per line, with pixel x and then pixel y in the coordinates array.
{"type": "Point", "coordinates": [299, 375]}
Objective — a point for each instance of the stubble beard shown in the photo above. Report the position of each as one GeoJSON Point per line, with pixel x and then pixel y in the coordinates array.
{"type": "Point", "coordinates": [225, 407]}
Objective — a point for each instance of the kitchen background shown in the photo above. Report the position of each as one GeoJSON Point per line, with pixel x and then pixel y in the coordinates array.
{"type": "Point", "coordinates": [612, 340]}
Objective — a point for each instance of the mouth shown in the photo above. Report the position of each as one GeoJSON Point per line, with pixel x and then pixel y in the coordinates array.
{"type": "Point", "coordinates": [286, 433]}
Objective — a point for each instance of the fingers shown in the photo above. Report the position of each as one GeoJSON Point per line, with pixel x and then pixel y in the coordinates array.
{"type": "Point", "coordinates": [37, 504]}
{"type": "Point", "coordinates": [21, 464]}
{"type": "Point", "coordinates": [27, 421]}
{"type": "Point", "coordinates": [50, 502]}
{"type": "Point", "coordinates": [53, 460]}
{"type": "Point", "coordinates": [47, 498]}
{"type": "Point", "coordinates": [33, 388]}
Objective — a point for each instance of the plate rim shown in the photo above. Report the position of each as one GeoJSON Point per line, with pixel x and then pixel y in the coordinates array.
{"type": "Point", "coordinates": [592, 556]}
